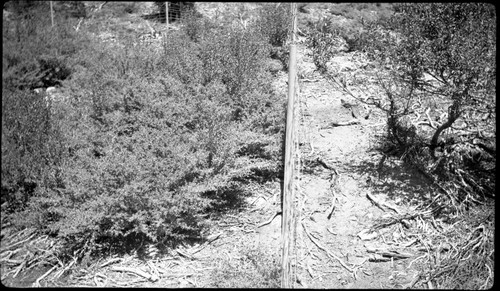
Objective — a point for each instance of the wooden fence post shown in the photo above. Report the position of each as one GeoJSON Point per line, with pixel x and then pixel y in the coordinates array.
{"type": "Point", "coordinates": [51, 14]}
{"type": "Point", "coordinates": [166, 14]}
{"type": "Point", "coordinates": [287, 229]}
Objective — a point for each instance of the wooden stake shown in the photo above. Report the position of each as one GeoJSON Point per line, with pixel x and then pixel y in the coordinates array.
{"type": "Point", "coordinates": [287, 231]}
{"type": "Point", "coordinates": [166, 14]}
{"type": "Point", "coordinates": [51, 14]}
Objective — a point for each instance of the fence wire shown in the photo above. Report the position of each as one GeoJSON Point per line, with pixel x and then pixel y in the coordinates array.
{"type": "Point", "coordinates": [175, 10]}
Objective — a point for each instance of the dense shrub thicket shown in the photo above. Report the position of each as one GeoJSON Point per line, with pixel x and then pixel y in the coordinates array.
{"type": "Point", "coordinates": [142, 142]}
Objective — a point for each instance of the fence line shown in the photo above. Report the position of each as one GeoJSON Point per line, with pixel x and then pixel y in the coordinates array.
{"type": "Point", "coordinates": [287, 225]}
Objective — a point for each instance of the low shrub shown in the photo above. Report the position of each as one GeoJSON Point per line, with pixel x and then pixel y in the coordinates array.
{"type": "Point", "coordinates": [36, 54]}
{"type": "Point", "coordinates": [197, 27]}
{"type": "Point", "coordinates": [275, 23]}
{"type": "Point", "coordinates": [329, 36]}
{"type": "Point", "coordinates": [323, 43]}
{"type": "Point", "coordinates": [32, 147]}
{"type": "Point", "coordinates": [256, 268]}
{"type": "Point", "coordinates": [145, 140]}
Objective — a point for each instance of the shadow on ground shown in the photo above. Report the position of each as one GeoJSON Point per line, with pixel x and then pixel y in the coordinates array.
{"type": "Point", "coordinates": [397, 180]}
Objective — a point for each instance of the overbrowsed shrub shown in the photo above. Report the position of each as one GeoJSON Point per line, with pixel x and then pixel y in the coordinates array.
{"type": "Point", "coordinates": [441, 61]}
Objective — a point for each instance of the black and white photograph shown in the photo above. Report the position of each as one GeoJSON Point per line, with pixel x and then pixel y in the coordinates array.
{"type": "Point", "coordinates": [241, 145]}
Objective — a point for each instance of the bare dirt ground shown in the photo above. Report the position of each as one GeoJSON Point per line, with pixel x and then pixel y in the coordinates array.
{"type": "Point", "coordinates": [347, 184]}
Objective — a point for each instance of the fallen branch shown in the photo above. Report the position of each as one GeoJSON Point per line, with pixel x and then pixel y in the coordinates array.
{"type": "Point", "coordinates": [334, 180]}
{"type": "Point", "coordinates": [375, 202]}
{"type": "Point", "coordinates": [18, 243]}
{"type": "Point", "coordinates": [326, 251]}
{"type": "Point", "coordinates": [326, 166]}
{"type": "Point", "coordinates": [135, 272]}
{"type": "Point", "coordinates": [37, 282]}
{"type": "Point", "coordinates": [184, 254]}
{"type": "Point", "coordinates": [310, 80]}
{"type": "Point", "coordinates": [11, 262]}
{"type": "Point", "coordinates": [210, 239]}
{"type": "Point", "coordinates": [59, 274]}
{"type": "Point", "coordinates": [109, 262]}
{"type": "Point", "coordinates": [342, 123]}
{"type": "Point", "coordinates": [77, 27]}
{"type": "Point", "coordinates": [19, 268]}
{"type": "Point", "coordinates": [255, 200]}
{"type": "Point", "coordinates": [379, 204]}
{"type": "Point", "coordinates": [332, 208]}
{"type": "Point", "coordinates": [9, 254]}
{"type": "Point", "coordinates": [403, 219]}
{"type": "Point", "coordinates": [309, 270]}
{"type": "Point", "coordinates": [270, 220]}
{"type": "Point", "coordinates": [391, 254]}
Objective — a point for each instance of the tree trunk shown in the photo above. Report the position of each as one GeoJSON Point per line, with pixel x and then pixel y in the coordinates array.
{"type": "Point", "coordinates": [453, 114]}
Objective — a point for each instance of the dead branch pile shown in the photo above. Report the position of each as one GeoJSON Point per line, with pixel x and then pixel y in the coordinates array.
{"type": "Point", "coordinates": [456, 251]}
{"type": "Point", "coordinates": [25, 250]}
{"type": "Point", "coordinates": [467, 261]}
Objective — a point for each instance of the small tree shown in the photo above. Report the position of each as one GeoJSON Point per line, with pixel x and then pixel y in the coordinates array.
{"type": "Point", "coordinates": [445, 51]}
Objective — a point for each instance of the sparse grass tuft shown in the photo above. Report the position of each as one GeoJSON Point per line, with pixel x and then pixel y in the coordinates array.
{"type": "Point", "coordinates": [255, 268]}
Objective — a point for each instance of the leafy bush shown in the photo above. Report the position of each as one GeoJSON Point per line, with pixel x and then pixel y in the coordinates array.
{"type": "Point", "coordinates": [39, 55]}
{"type": "Point", "coordinates": [275, 23]}
{"type": "Point", "coordinates": [282, 54]}
{"type": "Point", "coordinates": [442, 57]}
{"type": "Point", "coordinates": [197, 27]}
{"type": "Point", "coordinates": [358, 13]}
{"type": "Point", "coordinates": [330, 35]}
{"type": "Point", "coordinates": [31, 147]}
{"type": "Point", "coordinates": [235, 57]}
{"type": "Point", "coordinates": [146, 141]}
{"type": "Point", "coordinates": [275, 26]}
{"type": "Point", "coordinates": [131, 8]}
{"type": "Point", "coordinates": [354, 36]}
{"type": "Point", "coordinates": [33, 144]}
{"type": "Point", "coordinates": [323, 43]}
